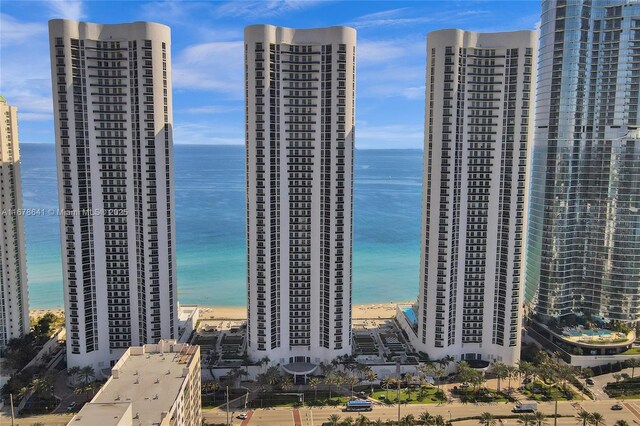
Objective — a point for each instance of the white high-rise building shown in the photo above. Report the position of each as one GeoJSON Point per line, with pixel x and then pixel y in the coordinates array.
{"type": "Point", "coordinates": [477, 135]}
{"type": "Point", "coordinates": [114, 148]}
{"type": "Point", "coordinates": [300, 87]}
{"type": "Point", "coordinates": [14, 307]}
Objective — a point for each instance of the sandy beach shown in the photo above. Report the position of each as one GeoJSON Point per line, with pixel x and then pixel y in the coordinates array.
{"type": "Point", "coordinates": [367, 311]}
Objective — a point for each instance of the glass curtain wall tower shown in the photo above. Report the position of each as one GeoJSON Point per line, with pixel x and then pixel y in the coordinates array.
{"type": "Point", "coordinates": [584, 227]}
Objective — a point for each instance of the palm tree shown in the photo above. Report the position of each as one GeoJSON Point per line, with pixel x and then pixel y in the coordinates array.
{"type": "Point", "coordinates": [541, 419]}
{"type": "Point", "coordinates": [264, 361]}
{"type": "Point", "coordinates": [87, 374]}
{"type": "Point", "coordinates": [286, 383]}
{"type": "Point", "coordinates": [499, 369]}
{"type": "Point", "coordinates": [314, 382]}
{"type": "Point", "coordinates": [621, 423]}
{"type": "Point", "coordinates": [512, 371]}
{"type": "Point", "coordinates": [379, 422]}
{"type": "Point", "coordinates": [361, 421]}
{"type": "Point", "coordinates": [526, 368]}
{"type": "Point", "coordinates": [487, 419]}
{"type": "Point", "coordinates": [408, 420]}
{"type": "Point", "coordinates": [597, 419]}
{"type": "Point", "coordinates": [73, 373]}
{"type": "Point", "coordinates": [210, 386]}
{"type": "Point", "coordinates": [351, 381]}
{"type": "Point", "coordinates": [583, 417]}
{"type": "Point", "coordinates": [24, 392]}
{"type": "Point", "coordinates": [334, 420]}
{"type": "Point", "coordinates": [391, 382]}
{"type": "Point", "coordinates": [439, 420]}
{"type": "Point", "coordinates": [370, 376]}
{"type": "Point", "coordinates": [330, 380]}
{"type": "Point", "coordinates": [425, 418]}
{"type": "Point", "coordinates": [526, 420]}
{"type": "Point", "coordinates": [633, 363]}
{"type": "Point", "coordinates": [347, 422]}
{"type": "Point", "coordinates": [83, 388]}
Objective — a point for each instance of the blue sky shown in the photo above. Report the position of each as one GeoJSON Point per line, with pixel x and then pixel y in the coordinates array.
{"type": "Point", "coordinates": [207, 57]}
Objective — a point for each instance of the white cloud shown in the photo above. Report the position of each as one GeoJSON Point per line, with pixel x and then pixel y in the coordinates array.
{"type": "Point", "coordinates": [257, 9]}
{"type": "Point", "coordinates": [25, 74]}
{"type": "Point", "coordinates": [212, 109]}
{"type": "Point", "coordinates": [412, 16]}
{"type": "Point", "coordinates": [413, 93]}
{"type": "Point", "coordinates": [208, 133]}
{"type": "Point", "coordinates": [391, 17]}
{"type": "Point", "coordinates": [372, 51]}
{"type": "Point", "coordinates": [15, 32]}
{"type": "Point", "coordinates": [216, 66]}
{"type": "Point", "coordinates": [35, 116]}
{"type": "Point", "coordinates": [67, 9]}
{"type": "Point", "coordinates": [389, 136]}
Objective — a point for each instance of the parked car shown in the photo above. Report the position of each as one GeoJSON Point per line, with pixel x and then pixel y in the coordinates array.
{"type": "Point", "coordinates": [589, 382]}
{"type": "Point", "coordinates": [71, 406]}
{"type": "Point", "coordinates": [242, 416]}
{"type": "Point", "coordinates": [617, 407]}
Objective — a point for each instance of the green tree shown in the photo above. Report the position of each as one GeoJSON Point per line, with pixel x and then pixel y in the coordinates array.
{"type": "Point", "coordinates": [597, 419]}
{"type": "Point", "coordinates": [526, 420]}
{"type": "Point", "coordinates": [370, 376]}
{"type": "Point", "coordinates": [425, 418]}
{"type": "Point", "coordinates": [361, 421]}
{"type": "Point", "coordinates": [314, 382]}
{"type": "Point", "coordinates": [621, 423]}
{"type": "Point", "coordinates": [334, 420]}
{"type": "Point", "coordinates": [408, 420]}
{"type": "Point", "coordinates": [87, 374]}
{"type": "Point", "coordinates": [487, 419]}
{"type": "Point", "coordinates": [541, 419]}
{"type": "Point", "coordinates": [633, 363]}
{"type": "Point", "coordinates": [583, 417]}
{"type": "Point", "coordinates": [499, 369]}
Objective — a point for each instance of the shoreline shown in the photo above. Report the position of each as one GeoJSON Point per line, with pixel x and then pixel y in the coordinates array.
{"type": "Point", "coordinates": [359, 311]}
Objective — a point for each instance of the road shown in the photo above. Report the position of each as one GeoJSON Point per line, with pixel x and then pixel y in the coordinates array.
{"type": "Point", "coordinates": [599, 382]}
{"type": "Point", "coordinates": [315, 416]}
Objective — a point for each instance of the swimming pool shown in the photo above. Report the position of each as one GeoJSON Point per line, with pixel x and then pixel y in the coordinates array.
{"type": "Point", "coordinates": [411, 315]}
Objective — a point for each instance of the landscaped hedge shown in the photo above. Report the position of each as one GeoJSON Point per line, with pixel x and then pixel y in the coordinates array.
{"type": "Point", "coordinates": [624, 388]}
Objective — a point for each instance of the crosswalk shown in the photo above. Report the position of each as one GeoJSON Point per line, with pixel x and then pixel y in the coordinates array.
{"type": "Point", "coordinates": [634, 407]}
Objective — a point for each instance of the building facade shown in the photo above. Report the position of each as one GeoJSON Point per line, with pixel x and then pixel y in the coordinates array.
{"type": "Point", "coordinates": [14, 306]}
{"type": "Point", "coordinates": [584, 229]}
{"type": "Point", "coordinates": [154, 384]}
{"type": "Point", "coordinates": [114, 149]}
{"type": "Point", "coordinates": [300, 91]}
{"type": "Point", "coordinates": [477, 135]}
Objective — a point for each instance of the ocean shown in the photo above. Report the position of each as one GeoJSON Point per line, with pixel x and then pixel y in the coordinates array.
{"type": "Point", "coordinates": [210, 225]}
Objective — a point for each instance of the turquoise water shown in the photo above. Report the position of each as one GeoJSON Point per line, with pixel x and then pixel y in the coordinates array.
{"type": "Point", "coordinates": [210, 222]}
{"type": "Point", "coordinates": [411, 315]}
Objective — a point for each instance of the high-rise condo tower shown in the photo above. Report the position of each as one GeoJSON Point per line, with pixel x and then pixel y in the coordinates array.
{"type": "Point", "coordinates": [114, 149]}
{"type": "Point", "coordinates": [14, 309]}
{"type": "Point", "coordinates": [299, 88]}
{"type": "Point", "coordinates": [477, 135]}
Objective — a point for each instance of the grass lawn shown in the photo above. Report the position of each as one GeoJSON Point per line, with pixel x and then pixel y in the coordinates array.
{"type": "Point", "coordinates": [428, 396]}
{"type": "Point", "coordinates": [631, 351]}
{"type": "Point", "coordinates": [542, 392]}
{"type": "Point", "coordinates": [482, 395]}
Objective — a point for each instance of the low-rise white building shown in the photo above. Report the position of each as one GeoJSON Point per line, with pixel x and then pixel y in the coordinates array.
{"type": "Point", "coordinates": [154, 384]}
